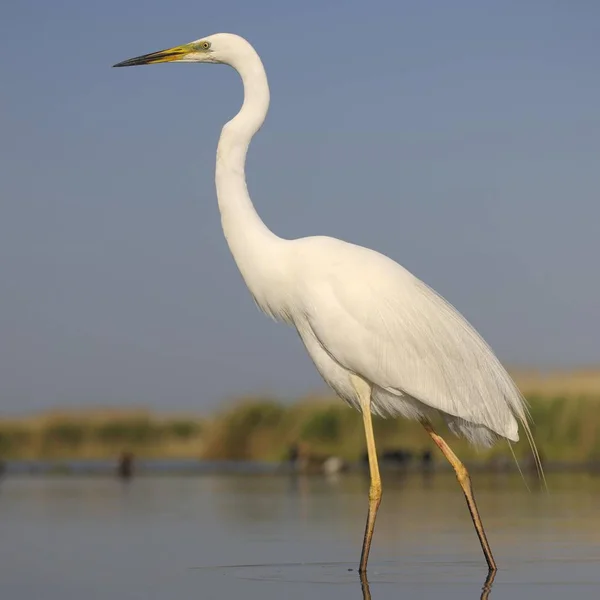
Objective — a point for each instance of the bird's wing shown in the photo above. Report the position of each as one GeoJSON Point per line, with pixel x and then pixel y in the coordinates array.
{"type": "Point", "coordinates": [378, 320]}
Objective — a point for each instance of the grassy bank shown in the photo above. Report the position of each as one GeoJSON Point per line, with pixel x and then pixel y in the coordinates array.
{"type": "Point", "coordinates": [567, 428]}
{"type": "Point", "coordinates": [99, 434]}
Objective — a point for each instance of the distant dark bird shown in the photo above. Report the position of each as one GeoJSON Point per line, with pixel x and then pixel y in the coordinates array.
{"type": "Point", "coordinates": [125, 466]}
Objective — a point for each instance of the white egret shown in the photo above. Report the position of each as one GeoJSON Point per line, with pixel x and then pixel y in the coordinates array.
{"type": "Point", "coordinates": [383, 340]}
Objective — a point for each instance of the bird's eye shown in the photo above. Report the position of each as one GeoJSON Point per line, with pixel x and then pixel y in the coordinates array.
{"type": "Point", "coordinates": [205, 45]}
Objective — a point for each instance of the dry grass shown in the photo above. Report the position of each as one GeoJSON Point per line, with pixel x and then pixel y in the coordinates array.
{"type": "Point", "coordinates": [553, 383]}
{"type": "Point", "coordinates": [100, 433]}
{"type": "Point", "coordinates": [564, 405]}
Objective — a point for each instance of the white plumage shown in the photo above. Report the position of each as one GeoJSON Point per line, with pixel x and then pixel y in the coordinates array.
{"type": "Point", "coordinates": [358, 311]}
{"type": "Point", "coordinates": [382, 339]}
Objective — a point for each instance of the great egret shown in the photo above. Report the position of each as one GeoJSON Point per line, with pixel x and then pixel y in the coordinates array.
{"type": "Point", "coordinates": [382, 339]}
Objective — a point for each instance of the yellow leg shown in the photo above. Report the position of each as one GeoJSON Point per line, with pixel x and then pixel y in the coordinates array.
{"type": "Point", "coordinates": [363, 390]}
{"type": "Point", "coordinates": [465, 483]}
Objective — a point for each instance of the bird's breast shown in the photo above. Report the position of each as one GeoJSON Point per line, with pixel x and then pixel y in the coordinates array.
{"type": "Point", "coordinates": [335, 375]}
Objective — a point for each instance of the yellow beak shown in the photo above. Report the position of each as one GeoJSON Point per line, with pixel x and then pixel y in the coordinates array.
{"type": "Point", "coordinates": [170, 55]}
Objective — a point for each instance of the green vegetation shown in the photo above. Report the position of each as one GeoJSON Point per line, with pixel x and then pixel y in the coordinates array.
{"type": "Point", "coordinates": [12, 439]}
{"type": "Point", "coordinates": [99, 435]}
{"type": "Point", "coordinates": [566, 428]}
{"type": "Point", "coordinates": [250, 429]}
{"type": "Point", "coordinates": [136, 432]}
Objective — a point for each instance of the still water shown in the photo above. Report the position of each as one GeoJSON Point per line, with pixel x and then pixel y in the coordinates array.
{"type": "Point", "coordinates": [276, 537]}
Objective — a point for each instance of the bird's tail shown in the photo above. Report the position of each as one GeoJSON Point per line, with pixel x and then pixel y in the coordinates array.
{"type": "Point", "coordinates": [524, 416]}
{"type": "Point", "coordinates": [512, 451]}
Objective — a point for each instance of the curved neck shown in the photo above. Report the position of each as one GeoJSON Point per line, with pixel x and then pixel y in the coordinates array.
{"type": "Point", "coordinates": [237, 211]}
{"type": "Point", "coordinates": [256, 250]}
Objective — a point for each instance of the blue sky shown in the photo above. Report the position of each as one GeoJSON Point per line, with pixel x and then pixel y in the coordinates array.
{"type": "Point", "coordinates": [461, 138]}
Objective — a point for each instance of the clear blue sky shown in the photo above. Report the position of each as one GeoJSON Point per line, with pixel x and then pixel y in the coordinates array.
{"type": "Point", "coordinates": [461, 138]}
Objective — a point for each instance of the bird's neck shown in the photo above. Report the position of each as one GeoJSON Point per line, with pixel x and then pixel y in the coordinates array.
{"type": "Point", "coordinates": [258, 252]}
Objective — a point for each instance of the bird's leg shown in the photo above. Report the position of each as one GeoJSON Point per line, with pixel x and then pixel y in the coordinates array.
{"type": "Point", "coordinates": [465, 483]}
{"type": "Point", "coordinates": [363, 390]}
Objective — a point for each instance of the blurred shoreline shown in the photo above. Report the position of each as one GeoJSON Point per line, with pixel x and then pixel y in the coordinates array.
{"type": "Point", "coordinates": [263, 431]}
{"type": "Point", "coordinates": [198, 467]}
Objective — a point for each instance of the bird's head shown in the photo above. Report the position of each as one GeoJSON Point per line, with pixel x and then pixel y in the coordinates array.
{"type": "Point", "coordinates": [217, 48]}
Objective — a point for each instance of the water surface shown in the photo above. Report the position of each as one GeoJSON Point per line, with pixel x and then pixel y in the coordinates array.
{"type": "Point", "coordinates": [274, 537]}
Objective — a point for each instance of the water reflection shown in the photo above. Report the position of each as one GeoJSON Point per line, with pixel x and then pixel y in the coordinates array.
{"type": "Point", "coordinates": [487, 586]}
{"type": "Point", "coordinates": [485, 590]}
{"type": "Point", "coordinates": [413, 508]}
{"type": "Point", "coordinates": [176, 531]}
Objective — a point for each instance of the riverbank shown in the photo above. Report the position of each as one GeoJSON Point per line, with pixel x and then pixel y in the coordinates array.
{"type": "Point", "coordinates": [566, 428]}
